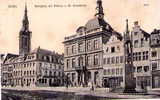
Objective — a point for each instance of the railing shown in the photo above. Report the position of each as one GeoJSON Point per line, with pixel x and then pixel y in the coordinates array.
{"type": "Point", "coordinates": [78, 67]}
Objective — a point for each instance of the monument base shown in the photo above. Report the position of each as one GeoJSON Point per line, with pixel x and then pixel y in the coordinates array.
{"type": "Point", "coordinates": [129, 91]}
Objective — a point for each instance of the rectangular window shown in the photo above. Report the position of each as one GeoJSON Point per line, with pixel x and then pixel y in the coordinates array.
{"type": "Point", "coordinates": [121, 59]}
{"type": "Point", "coordinates": [68, 63]}
{"type": "Point", "coordinates": [144, 56]}
{"type": "Point", "coordinates": [113, 60]}
{"type": "Point", "coordinates": [25, 42]}
{"type": "Point", "coordinates": [121, 71]}
{"type": "Point", "coordinates": [80, 61]}
{"type": "Point", "coordinates": [88, 45]}
{"type": "Point", "coordinates": [73, 62]}
{"type": "Point", "coordinates": [73, 77]}
{"type": "Point", "coordinates": [139, 56]}
{"type": "Point", "coordinates": [67, 50]}
{"type": "Point", "coordinates": [113, 71]}
{"type": "Point", "coordinates": [80, 47]}
{"type": "Point", "coordinates": [109, 72]}
{"type": "Point", "coordinates": [112, 49]}
{"type": "Point", "coordinates": [108, 60]}
{"type": "Point", "coordinates": [117, 60]}
{"type": "Point", "coordinates": [104, 72]}
{"type": "Point", "coordinates": [146, 68]}
{"type": "Point", "coordinates": [136, 43]}
{"type": "Point", "coordinates": [88, 60]}
{"type": "Point", "coordinates": [96, 61]}
{"type": "Point", "coordinates": [147, 55]}
{"type": "Point", "coordinates": [73, 49]}
{"type": "Point", "coordinates": [104, 61]}
{"type": "Point", "coordinates": [134, 57]}
{"type": "Point", "coordinates": [154, 66]}
{"type": "Point", "coordinates": [154, 54]}
{"type": "Point", "coordinates": [96, 45]}
{"type": "Point", "coordinates": [117, 71]}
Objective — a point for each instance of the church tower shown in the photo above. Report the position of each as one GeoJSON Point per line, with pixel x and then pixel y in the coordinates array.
{"type": "Point", "coordinates": [99, 10]}
{"type": "Point", "coordinates": [25, 35]}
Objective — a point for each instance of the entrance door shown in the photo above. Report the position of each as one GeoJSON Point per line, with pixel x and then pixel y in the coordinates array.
{"type": "Point", "coordinates": [50, 82]}
{"type": "Point", "coordinates": [95, 77]}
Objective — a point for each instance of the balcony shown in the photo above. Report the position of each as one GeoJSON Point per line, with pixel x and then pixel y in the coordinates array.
{"type": "Point", "coordinates": [78, 68]}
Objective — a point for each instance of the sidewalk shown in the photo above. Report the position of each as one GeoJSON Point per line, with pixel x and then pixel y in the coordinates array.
{"type": "Point", "coordinates": [99, 92]}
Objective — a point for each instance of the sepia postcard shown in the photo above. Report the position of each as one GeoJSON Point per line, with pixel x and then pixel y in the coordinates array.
{"type": "Point", "coordinates": [79, 49]}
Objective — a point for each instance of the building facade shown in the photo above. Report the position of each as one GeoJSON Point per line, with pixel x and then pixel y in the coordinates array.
{"type": "Point", "coordinates": [113, 62]}
{"type": "Point", "coordinates": [38, 67]}
{"type": "Point", "coordinates": [2, 57]}
{"type": "Point", "coordinates": [155, 58]}
{"type": "Point", "coordinates": [83, 54]}
{"type": "Point", "coordinates": [141, 56]}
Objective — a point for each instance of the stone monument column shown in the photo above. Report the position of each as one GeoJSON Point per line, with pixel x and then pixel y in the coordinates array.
{"type": "Point", "coordinates": [129, 79]}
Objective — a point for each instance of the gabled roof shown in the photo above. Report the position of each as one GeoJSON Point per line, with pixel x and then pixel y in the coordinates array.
{"type": "Point", "coordinates": [9, 56]}
{"type": "Point", "coordinates": [119, 36]}
{"type": "Point", "coordinates": [145, 33]}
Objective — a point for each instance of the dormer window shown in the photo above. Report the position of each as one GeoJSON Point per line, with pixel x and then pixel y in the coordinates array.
{"type": "Point", "coordinates": [112, 49]}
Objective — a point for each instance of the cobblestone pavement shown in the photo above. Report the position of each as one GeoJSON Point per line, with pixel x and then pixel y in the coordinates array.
{"type": "Point", "coordinates": [99, 92]}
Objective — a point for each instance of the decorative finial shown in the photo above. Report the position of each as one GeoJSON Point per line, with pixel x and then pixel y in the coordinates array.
{"type": "Point", "coordinates": [25, 7]}
{"type": "Point", "coordinates": [99, 9]}
{"type": "Point", "coordinates": [127, 29]}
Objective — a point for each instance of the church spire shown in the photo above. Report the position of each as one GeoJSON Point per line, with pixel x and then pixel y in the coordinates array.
{"type": "Point", "coordinates": [127, 35]}
{"type": "Point", "coordinates": [99, 10]}
{"type": "Point", "coordinates": [25, 21]}
{"type": "Point", "coordinates": [25, 35]}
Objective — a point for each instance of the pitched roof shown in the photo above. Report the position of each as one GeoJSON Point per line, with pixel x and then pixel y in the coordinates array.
{"type": "Point", "coordinates": [145, 33]}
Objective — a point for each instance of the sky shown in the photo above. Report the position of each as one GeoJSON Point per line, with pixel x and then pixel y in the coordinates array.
{"type": "Point", "coordinates": [49, 25]}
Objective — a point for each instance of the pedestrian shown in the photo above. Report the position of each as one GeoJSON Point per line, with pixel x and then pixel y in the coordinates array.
{"type": "Point", "coordinates": [92, 88]}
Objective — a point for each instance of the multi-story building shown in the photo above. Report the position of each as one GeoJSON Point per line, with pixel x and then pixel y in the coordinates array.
{"type": "Point", "coordinates": [83, 54]}
{"type": "Point", "coordinates": [39, 67]}
{"type": "Point", "coordinates": [141, 55]}
{"type": "Point", "coordinates": [2, 56]}
{"type": "Point", "coordinates": [114, 59]}
{"type": "Point", "coordinates": [7, 71]}
{"type": "Point", "coordinates": [113, 62]}
{"type": "Point", "coordinates": [155, 58]}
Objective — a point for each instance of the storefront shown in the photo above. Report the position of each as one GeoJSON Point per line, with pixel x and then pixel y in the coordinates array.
{"type": "Point", "coordinates": [156, 79]}
{"type": "Point", "coordinates": [112, 81]}
{"type": "Point", "coordinates": [143, 81]}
